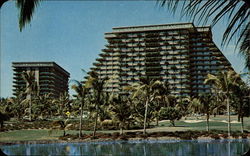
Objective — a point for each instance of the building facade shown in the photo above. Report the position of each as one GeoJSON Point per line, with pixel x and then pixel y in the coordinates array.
{"type": "Point", "coordinates": [180, 54]}
{"type": "Point", "coordinates": [49, 76]}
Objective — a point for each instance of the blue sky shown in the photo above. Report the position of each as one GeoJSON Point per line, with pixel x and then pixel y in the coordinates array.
{"type": "Point", "coordinates": [72, 33]}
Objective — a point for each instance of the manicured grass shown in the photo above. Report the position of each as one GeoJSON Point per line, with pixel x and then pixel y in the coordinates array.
{"type": "Point", "coordinates": [25, 135]}
{"type": "Point", "coordinates": [215, 123]}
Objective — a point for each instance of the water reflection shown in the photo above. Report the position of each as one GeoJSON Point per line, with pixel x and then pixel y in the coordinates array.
{"type": "Point", "coordinates": [137, 148]}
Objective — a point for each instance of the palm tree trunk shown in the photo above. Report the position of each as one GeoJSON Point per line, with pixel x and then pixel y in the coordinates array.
{"type": "Point", "coordinates": [121, 125]}
{"type": "Point", "coordinates": [242, 124]}
{"type": "Point", "coordinates": [30, 103]}
{"type": "Point", "coordinates": [208, 122]}
{"type": "Point", "coordinates": [229, 119]}
{"type": "Point", "coordinates": [157, 120]}
{"type": "Point", "coordinates": [121, 130]}
{"type": "Point", "coordinates": [95, 125]}
{"type": "Point", "coordinates": [145, 116]}
{"type": "Point", "coordinates": [172, 122]}
{"type": "Point", "coordinates": [64, 132]}
{"type": "Point", "coordinates": [80, 126]}
{"type": "Point", "coordinates": [94, 132]}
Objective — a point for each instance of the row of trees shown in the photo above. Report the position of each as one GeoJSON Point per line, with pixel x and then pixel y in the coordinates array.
{"type": "Point", "coordinates": [147, 101]}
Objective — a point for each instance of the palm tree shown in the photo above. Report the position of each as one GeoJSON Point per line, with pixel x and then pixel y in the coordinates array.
{"type": "Point", "coordinates": [117, 106]}
{"type": "Point", "coordinates": [61, 125]}
{"type": "Point", "coordinates": [236, 11]}
{"type": "Point", "coordinates": [3, 117]}
{"type": "Point", "coordinates": [224, 82]}
{"type": "Point", "coordinates": [96, 86]}
{"type": "Point", "coordinates": [81, 91]}
{"type": "Point", "coordinates": [62, 103]}
{"type": "Point", "coordinates": [241, 96]}
{"type": "Point", "coordinates": [16, 104]}
{"type": "Point", "coordinates": [207, 102]}
{"type": "Point", "coordinates": [194, 105]}
{"type": "Point", "coordinates": [181, 103]}
{"type": "Point", "coordinates": [32, 88]}
{"type": "Point", "coordinates": [43, 106]}
{"type": "Point", "coordinates": [145, 90]}
{"type": "Point", "coordinates": [162, 97]}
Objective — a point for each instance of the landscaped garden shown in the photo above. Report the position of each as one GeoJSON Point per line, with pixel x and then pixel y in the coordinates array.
{"type": "Point", "coordinates": [147, 110]}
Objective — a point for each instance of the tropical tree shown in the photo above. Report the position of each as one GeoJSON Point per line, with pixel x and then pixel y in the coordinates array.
{"type": "Point", "coordinates": [3, 104]}
{"type": "Point", "coordinates": [16, 105]}
{"type": "Point", "coordinates": [32, 89]}
{"type": "Point", "coordinates": [237, 13]}
{"type": "Point", "coordinates": [181, 103]}
{"type": "Point", "coordinates": [208, 104]}
{"type": "Point", "coordinates": [241, 102]}
{"type": "Point", "coordinates": [194, 106]}
{"type": "Point", "coordinates": [170, 113]}
{"type": "Point", "coordinates": [62, 103]}
{"type": "Point", "coordinates": [96, 86]}
{"type": "Point", "coordinates": [120, 110]}
{"type": "Point", "coordinates": [81, 91]}
{"type": "Point", "coordinates": [3, 117]}
{"type": "Point", "coordinates": [61, 125]}
{"type": "Point", "coordinates": [145, 90]}
{"type": "Point", "coordinates": [162, 95]}
{"type": "Point", "coordinates": [224, 83]}
{"type": "Point", "coordinates": [43, 107]}
{"type": "Point", "coordinates": [137, 105]}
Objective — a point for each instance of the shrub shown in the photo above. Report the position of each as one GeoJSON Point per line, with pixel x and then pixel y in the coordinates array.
{"type": "Point", "coordinates": [124, 137]}
{"type": "Point", "coordinates": [115, 135]}
{"type": "Point", "coordinates": [244, 135]}
{"type": "Point", "coordinates": [235, 135]}
{"type": "Point", "coordinates": [186, 136]}
{"type": "Point", "coordinates": [215, 136]}
{"type": "Point", "coordinates": [170, 113]}
{"type": "Point", "coordinates": [224, 135]}
{"type": "Point", "coordinates": [144, 136]}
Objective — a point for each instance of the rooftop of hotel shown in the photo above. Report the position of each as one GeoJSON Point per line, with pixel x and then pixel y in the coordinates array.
{"type": "Point", "coordinates": [159, 27]}
{"type": "Point", "coordinates": [39, 64]}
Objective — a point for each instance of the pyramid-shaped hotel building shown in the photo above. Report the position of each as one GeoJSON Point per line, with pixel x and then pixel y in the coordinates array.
{"type": "Point", "coordinates": [181, 54]}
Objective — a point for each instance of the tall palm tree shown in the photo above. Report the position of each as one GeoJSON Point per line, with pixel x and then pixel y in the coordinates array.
{"type": "Point", "coordinates": [81, 91]}
{"type": "Point", "coordinates": [96, 86]}
{"type": "Point", "coordinates": [32, 88]}
{"type": "Point", "coordinates": [145, 90]}
{"type": "Point", "coordinates": [225, 82]}
{"type": "Point", "coordinates": [237, 13]}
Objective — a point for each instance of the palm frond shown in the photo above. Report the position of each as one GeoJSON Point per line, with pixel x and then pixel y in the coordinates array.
{"type": "Point", "coordinates": [244, 47]}
{"type": "Point", "coordinates": [26, 8]}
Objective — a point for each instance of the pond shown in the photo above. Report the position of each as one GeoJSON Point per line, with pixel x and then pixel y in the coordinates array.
{"type": "Point", "coordinates": [135, 148]}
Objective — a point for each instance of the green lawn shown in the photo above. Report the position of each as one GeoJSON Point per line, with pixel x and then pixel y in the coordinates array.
{"type": "Point", "coordinates": [42, 134]}
{"type": "Point", "coordinates": [215, 123]}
